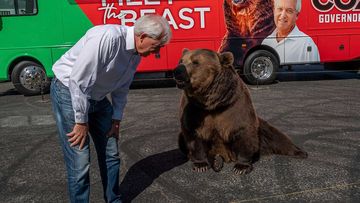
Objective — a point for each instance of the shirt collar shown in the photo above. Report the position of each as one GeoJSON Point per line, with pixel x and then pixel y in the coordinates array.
{"type": "Point", "coordinates": [295, 32]}
{"type": "Point", "coordinates": [130, 39]}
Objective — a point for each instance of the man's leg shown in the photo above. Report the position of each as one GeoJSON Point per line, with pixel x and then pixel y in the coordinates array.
{"type": "Point", "coordinates": [106, 147]}
{"type": "Point", "coordinates": [77, 161]}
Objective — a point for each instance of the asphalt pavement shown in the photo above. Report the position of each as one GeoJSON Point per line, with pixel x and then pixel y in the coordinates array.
{"type": "Point", "coordinates": [320, 111]}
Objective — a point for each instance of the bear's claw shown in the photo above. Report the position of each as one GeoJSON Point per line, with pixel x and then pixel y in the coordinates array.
{"type": "Point", "coordinates": [240, 169]}
{"type": "Point", "coordinates": [200, 167]}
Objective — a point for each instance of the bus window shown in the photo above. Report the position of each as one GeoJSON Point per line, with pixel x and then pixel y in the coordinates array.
{"type": "Point", "coordinates": [18, 7]}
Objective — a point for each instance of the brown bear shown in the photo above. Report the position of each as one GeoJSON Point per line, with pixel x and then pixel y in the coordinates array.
{"type": "Point", "coordinates": [218, 119]}
{"type": "Point", "coordinates": [248, 22]}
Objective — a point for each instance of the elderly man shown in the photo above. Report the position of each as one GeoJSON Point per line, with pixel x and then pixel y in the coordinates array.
{"type": "Point", "coordinates": [292, 45]}
{"type": "Point", "coordinates": [102, 62]}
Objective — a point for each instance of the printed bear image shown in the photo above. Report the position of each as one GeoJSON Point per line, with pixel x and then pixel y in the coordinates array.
{"type": "Point", "coordinates": [218, 120]}
{"type": "Point", "coordinates": [248, 22]}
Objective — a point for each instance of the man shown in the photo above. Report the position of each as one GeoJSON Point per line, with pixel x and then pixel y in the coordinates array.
{"type": "Point", "coordinates": [292, 45]}
{"type": "Point", "coordinates": [103, 61]}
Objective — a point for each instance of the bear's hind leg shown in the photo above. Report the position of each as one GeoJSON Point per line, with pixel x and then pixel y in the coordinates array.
{"type": "Point", "coordinates": [243, 166]}
{"type": "Point", "coordinates": [247, 153]}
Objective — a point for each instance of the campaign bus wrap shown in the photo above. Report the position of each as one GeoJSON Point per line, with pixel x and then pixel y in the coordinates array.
{"type": "Point", "coordinates": [262, 34]}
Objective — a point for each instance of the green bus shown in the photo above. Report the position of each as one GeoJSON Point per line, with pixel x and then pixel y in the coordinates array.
{"type": "Point", "coordinates": [33, 35]}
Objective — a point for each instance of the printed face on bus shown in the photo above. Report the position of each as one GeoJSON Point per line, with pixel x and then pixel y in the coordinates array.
{"type": "Point", "coordinates": [146, 45]}
{"type": "Point", "coordinates": [285, 16]}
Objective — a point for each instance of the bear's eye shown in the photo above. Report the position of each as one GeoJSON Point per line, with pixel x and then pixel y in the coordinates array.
{"type": "Point", "coordinates": [195, 62]}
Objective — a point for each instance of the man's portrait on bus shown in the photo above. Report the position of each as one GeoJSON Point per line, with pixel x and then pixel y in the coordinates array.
{"type": "Point", "coordinates": [292, 45]}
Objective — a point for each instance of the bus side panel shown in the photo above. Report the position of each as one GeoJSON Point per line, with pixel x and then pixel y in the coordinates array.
{"type": "Point", "coordinates": [334, 48]}
{"type": "Point", "coordinates": [39, 54]}
{"type": "Point", "coordinates": [177, 48]}
{"type": "Point", "coordinates": [74, 22]}
{"type": "Point", "coordinates": [355, 47]}
{"type": "Point", "coordinates": [337, 29]}
{"type": "Point", "coordinates": [158, 64]}
{"type": "Point", "coordinates": [5, 61]}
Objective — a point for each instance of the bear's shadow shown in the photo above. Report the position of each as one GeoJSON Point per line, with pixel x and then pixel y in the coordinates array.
{"type": "Point", "coordinates": [143, 173]}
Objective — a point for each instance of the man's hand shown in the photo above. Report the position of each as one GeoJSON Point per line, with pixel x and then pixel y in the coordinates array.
{"type": "Point", "coordinates": [78, 135]}
{"type": "Point", "coordinates": [115, 127]}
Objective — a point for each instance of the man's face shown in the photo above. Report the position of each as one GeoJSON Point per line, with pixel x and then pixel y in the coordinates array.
{"type": "Point", "coordinates": [146, 45]}
{"type": "Point", "coordinates": [285, 15]}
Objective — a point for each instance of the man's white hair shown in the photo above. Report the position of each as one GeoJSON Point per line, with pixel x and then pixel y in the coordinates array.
{"type": "Point", "coordinates": [297, 7]}
{"type": "Point", "coordinates": [155, 26]}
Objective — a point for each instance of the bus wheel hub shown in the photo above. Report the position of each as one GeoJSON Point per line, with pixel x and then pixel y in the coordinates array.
{"type": "Point", "coordinates": [32, 77]}
{"type": "Point", "coordinates": [261, 68]}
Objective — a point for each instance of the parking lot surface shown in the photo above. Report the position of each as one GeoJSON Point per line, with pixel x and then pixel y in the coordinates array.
{"type": "Point", "coordinates": [320, 112]}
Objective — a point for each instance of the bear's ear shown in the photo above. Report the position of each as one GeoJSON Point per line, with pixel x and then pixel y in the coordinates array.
{"type": "Point", "coordinates": [226, 59]}
{"type": "Point", "coordinates": [184, 51]}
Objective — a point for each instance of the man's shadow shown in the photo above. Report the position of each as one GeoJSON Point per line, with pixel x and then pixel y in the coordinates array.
{"type": "Point", "coordinates": [143, 173]}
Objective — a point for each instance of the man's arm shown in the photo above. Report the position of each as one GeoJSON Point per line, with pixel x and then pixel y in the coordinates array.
{"type": "Point", "coordinates": [94, 55]}
{"type": "Point", "coordinates": [119, 100]}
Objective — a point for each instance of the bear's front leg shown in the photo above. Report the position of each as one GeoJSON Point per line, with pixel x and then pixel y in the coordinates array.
{"type": "Point", "coordinates": [198, 154]}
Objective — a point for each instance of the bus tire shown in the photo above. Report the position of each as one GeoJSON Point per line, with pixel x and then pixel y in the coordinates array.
{"type": "Point", "coordinates": [260, 68]}
{"type": "Point", "coordinates": [29, 78]}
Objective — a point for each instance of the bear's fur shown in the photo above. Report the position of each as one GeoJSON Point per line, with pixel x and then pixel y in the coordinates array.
{"type": "Point", "coordinates": [218, 119]}
{"type": "Point", "coordinates": [248, 22]}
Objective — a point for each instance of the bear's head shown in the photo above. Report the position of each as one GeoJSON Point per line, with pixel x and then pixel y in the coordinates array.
{"type": "Point", "coordinates": [249, 18]}
{"type": "Point", "coordinates": [238, 6]}
{"type": "Point", "coordinates": [205, 75]}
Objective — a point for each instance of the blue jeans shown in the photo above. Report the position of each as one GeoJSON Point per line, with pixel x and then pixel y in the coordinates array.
{"type": "Point", "coordinates": [77, 161]}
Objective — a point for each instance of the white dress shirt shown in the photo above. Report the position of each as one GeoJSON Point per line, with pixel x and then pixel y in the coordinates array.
{"type": "Point", "coordinates": [103, 61]}
{"type": "Point", "coordinates": [297, 47]}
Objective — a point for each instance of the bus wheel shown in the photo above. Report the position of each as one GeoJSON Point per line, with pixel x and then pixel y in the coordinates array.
{"type": "Point", "coordinates": [260, 67]}
{"type": "Point", "coordinates": [29, 78]}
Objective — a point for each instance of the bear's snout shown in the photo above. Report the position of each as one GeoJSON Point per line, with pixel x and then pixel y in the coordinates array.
{"type": "Point", "coordinates": [181, 76]}
{"type": "Point", "coordinates": [239, 5]}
